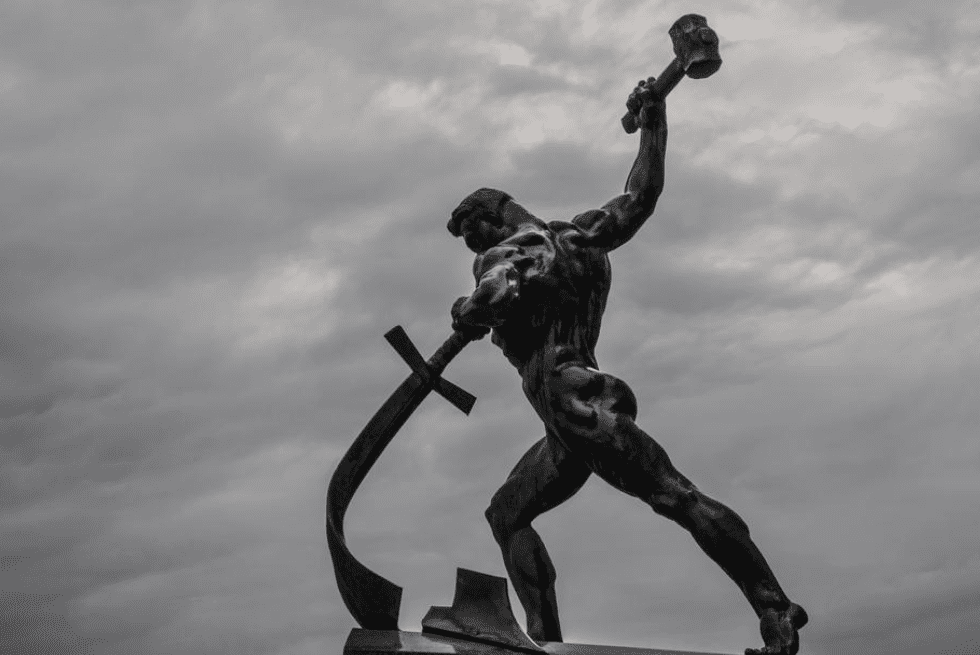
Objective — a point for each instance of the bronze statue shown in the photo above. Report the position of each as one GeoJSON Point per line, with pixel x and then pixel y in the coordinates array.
{"type": "Point", "coordinates": [541, 289]}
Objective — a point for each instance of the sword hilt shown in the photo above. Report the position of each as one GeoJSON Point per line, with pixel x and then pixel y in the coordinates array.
{"type": "Point", "coordinates": [431, 371]}
{"type": "Point", "coordinates": [449, 349]}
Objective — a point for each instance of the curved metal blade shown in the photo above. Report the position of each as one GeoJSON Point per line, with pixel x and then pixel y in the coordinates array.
{"type": "Point", "coordinates": [372, 599]}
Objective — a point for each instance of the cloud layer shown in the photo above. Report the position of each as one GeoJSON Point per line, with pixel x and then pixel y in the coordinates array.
{"type": "Point", "coordinates": [213, 211]}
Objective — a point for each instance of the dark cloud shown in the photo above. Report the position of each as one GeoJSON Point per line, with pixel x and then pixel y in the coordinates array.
{"type": "Point", "coordinates": [35, 623]}
{"type": "Point", "coordinates": [213, 214]}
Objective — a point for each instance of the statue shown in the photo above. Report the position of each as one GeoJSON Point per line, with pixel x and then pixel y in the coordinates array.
{"type": "Point", "coordinates": [541, 290]}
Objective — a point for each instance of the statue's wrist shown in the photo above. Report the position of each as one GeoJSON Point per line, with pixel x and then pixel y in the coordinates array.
{"type": "Point", "coordinates": [647, 122]}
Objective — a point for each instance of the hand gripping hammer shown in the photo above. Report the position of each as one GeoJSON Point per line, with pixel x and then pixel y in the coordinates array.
{"type": "Point", "coordinates": [696, 55]}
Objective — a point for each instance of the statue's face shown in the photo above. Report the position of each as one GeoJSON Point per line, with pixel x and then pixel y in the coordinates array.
{"type": "Point", "coordinates": [487, 217]}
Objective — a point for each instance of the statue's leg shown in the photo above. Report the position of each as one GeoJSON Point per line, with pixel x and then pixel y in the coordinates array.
{"type": "Point", "coordinates": [546, 476]}
{"type": "Point", "coordinates": [724, 537]}
{"type": "Point", "coordinates": [718, 530]}
{"type": "Point", "coordinates": [596, 418]}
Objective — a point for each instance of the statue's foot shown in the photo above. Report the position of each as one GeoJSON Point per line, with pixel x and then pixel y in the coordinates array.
{"type": "Point", "coordinates": [540, 632]}
{"type": "Point", "coordinates": [535, 630]}
{"type": "Point", "coordinates": [780, 631]}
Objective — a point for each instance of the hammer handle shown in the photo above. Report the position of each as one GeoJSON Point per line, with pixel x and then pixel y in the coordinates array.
{"type": "Point", "coordinates": [663, 85]}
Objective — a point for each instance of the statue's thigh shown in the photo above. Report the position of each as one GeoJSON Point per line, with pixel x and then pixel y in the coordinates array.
{"type": "Point", "coordinates": [628, 458]}
{"type": "Point", "coordinates": [546, 476]}
{"type": "Point", "coordinates": [593, 416]}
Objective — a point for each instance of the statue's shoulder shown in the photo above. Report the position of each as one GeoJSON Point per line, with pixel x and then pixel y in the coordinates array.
{"type": "Point", "coordinates": [573, 238]}
{"type": "Point", "coordinates": [565, 231]}
{"type": "Point", "coordinates": [568, 237]}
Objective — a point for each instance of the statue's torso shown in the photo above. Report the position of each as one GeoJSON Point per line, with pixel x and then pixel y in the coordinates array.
{"type": "Point", "coordinates": [557, 318]}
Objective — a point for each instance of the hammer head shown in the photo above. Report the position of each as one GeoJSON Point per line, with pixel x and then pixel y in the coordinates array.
{"type": "Point", "coordinates": [695, 45]}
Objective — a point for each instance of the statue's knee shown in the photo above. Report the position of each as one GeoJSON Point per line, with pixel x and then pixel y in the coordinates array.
{"type": "Point", "coordinates": [499, 524]}
{"type": "Point", "coordinates": [710, 511]}
{"type": "Point", "coordinates": [674, 505]}
{"type": "Point", "coordinates": [695, 511]}
{"type": "Point", "coordinates": [738, 523]}
{"type": "Point", "coordinates": [678, 502]}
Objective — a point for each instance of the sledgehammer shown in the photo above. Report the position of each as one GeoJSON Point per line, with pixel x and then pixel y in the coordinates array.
{"type": "Point", "coordinates": [696, 55]}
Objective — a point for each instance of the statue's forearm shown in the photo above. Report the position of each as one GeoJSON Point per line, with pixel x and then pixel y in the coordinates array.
{"type": "Point", "coordinates": [620, 218]}
{"type": "Point", "coordinates": [646, 178]}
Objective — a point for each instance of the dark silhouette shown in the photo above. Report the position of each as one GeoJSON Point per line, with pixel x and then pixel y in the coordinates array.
{"type": "Point", "coordinates": [541, 288]}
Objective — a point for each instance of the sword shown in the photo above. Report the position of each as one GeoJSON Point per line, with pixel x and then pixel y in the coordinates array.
{"type": "Point", "coordinates": [372, 599]}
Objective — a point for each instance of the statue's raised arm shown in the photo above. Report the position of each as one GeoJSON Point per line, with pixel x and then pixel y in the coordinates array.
{"type": "Point", "coordinates": [696, 56]}
{"type": "Point", "coordinates": [620, 218]}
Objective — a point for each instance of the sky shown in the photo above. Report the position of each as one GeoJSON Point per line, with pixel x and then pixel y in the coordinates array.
{"type": "Point", "coordinates": [211, 212]}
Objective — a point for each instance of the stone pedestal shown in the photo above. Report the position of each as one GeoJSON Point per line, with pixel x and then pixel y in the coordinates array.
{"type": "Point", "coordinates": [388, 642]}
{"type": "Point", "coordinates": [479, 622]}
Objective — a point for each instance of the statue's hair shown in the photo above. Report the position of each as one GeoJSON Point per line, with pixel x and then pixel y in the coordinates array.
{"type": "Point", "coordinates": [490, 201]}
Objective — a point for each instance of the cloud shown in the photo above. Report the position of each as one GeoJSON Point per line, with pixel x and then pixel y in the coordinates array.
{"type": "Point", "coordinates": [35, 623]}
{"type": "Point", "coordinates": [214, 211]}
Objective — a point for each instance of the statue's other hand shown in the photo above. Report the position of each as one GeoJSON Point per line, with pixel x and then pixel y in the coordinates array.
{"type": "Point", "coordinates": [474, 332]}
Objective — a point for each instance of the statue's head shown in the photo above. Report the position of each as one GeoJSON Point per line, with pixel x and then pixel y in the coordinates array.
{"type": "Point", "coordinates": [488, 216]}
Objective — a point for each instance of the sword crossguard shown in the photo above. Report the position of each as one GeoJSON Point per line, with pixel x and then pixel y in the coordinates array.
{"type": "Point", "coordinates": [399, 340]}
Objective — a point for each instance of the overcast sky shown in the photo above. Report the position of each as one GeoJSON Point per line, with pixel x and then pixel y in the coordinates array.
{"type": "Point", "coordinates": [212, 211]}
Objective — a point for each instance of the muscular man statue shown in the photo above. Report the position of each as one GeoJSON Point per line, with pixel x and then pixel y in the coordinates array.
{"type": "Point", "coordinates": [541, 288]}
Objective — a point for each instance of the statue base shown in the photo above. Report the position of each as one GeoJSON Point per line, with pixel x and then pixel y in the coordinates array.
{"type": "Point", "coordinates": [480, 612]}
{"type": "Point", "coordinates": [389, 642]}
{"type": "Point", "coordinates": [480, 622]}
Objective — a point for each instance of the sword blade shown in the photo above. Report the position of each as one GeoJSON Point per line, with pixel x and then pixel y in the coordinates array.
{"type": "Point", "coordinates": [372, 599]}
